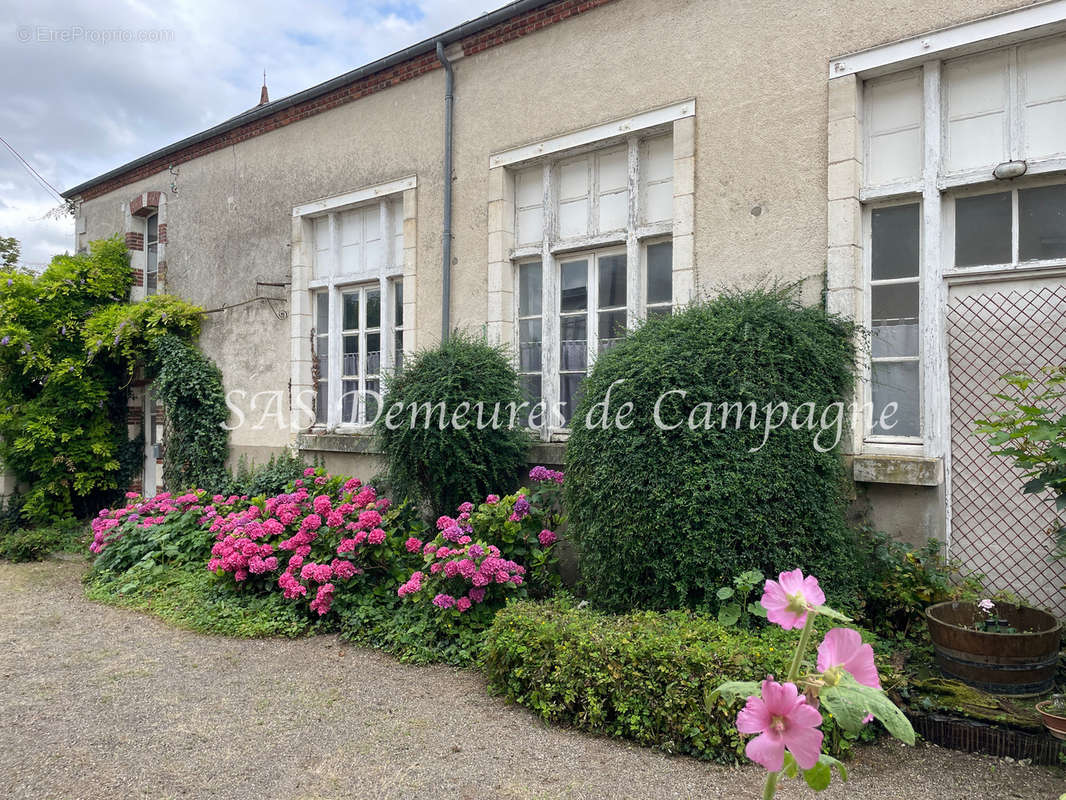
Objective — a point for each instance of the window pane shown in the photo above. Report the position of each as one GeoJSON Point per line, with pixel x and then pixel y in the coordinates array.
{"type": "Point", "coordinates": [612, 281]}
{"type": "Point", "coordinates": [371, 400]}
{"type": "Point", "coordinates": [152, 258]}
{"type": "Point", "coordinates": [373, 353]}
{"type": "Point", "coordinates": [573, 285]}
{"type": "Point", "coordinates": [531, 388]}
{"type": "Point", "coordinates": [570, 394]}
{"type": "Point", "coordinates": [982, 230]}
{"type": "Point", "coordinates": [322, 312]}
{"type": "Point", "coordinates": [895, 304]}
{"type": "Point", "coordinates": [398, 351]}
{"type": "Point", "coordinates": [896, 382]}
{"type": "Point", "coordinates": [894, 242]}
{"type": "Point", "coordinates": [529, 289]}
{"type": "Point", "coordinates": [351, 311]}
{"type": "Point", "coordinates": [660, 272]}
{"type": "Point", "coordinates": [529, 345]}
{"type": "Point", "coordinates": [1042, 222]}
{"type": "Point", "coordinates": [397, 303]}
{"type": "Point", "coordinates": [153, 228]}
{"type": "Point", "coordinates": [373, 308]}
{"type": "Point", "coordinates": [350, 364]}
{"type": "Point", "coordinates": [321, 401]}
{"type": "Point", "coordinates": [612, 328]}
{"type": "Point", "coordinates": [573, 344]}
{"type": "Point", "coordinates": [349, 398]}
{"type": "Point", "coordinates": [322, 354]}
{"type": "Point", "coordinates": [659, 311]}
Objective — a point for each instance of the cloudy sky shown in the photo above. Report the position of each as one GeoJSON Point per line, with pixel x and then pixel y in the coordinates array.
{"type": "Point", "coordinates": [76, 105]}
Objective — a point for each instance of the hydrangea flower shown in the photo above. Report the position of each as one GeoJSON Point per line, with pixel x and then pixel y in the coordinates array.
{"type": "Point", "coordinates": [784, 720]}
{"type": "Point", "coordinates": [842, 649]}
{"type": "Point", "coordinates": [788, 599]}
{"type": "Point", "coordinates": [547, 538]}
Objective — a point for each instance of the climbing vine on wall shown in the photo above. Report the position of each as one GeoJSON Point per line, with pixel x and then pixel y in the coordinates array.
{"type": "Point", "coordinates": [70, 343]}
{"type": "Point", "coordinates": [195, 443]}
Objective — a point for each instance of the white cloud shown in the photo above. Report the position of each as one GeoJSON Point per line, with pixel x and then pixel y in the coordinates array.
{"type": "Point", "coordinates": [78, 108]}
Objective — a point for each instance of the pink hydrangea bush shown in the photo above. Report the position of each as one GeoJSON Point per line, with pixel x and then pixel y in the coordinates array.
{"type": "Point", "coordinates": [313, 543]}
{"type": "Point", "coordinates": [785, 717]}
{"type": "Point", "coordinates": [112, 523]}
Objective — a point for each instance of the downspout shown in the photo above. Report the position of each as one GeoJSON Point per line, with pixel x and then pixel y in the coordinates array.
{"type": "Point", "coordinates": [446, 236]}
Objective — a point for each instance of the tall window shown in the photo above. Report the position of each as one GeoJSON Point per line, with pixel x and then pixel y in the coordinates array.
{"type": "Point", "coordinates": [592, 259]}
{"type": "Point", "coordinates": [151, 251]}
{"type": "Point", "coordinates": [358, 310]}
{"type": "Point", "coordinates": [963, 176]}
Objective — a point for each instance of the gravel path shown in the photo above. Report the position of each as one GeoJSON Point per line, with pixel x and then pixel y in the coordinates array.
{"type": "Point", "coordinates": [103, 703]}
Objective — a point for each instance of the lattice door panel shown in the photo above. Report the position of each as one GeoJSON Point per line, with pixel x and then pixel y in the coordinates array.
{"type": "Point", "coordinates": [996, 529]}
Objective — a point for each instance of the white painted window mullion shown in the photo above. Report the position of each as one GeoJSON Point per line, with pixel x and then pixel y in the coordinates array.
{"type": "Point", "coordinates": [635, 295]}
{"type": "Point", "coordinates": [550, 306]}
{"type": "Point", "coordinates": [592, 314]}
{"type": "Point", "coordinates": [333, 391]}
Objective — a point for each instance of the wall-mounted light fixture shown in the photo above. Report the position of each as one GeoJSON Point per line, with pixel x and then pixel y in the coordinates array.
{"type": "Point", "coordinates": [1010, 169]}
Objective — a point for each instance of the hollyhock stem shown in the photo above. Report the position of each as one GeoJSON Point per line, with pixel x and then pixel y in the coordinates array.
{"type": "Point", "coordinates": [770, 789]}
{"type": "Point", "coordinates": [801, 648]}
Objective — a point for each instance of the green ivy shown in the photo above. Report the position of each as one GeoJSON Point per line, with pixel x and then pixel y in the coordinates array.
{"type": "Point", "coordinates": [195, 443]}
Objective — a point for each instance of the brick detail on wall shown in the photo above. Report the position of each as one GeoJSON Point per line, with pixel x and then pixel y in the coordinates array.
{"type": "Point", "coordinates": [138, 277]}
{"type": "Point", "coordinates": [144, 204]}
{"type": "Point", "coordinates": [506, 31]}
{"type": "Point", "coordinates": [162, 233]}
{"type": "Point", "coordinates": [134, 241]}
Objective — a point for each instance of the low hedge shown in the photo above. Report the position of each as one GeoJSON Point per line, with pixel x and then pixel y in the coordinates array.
{"type": "Point", "coordinates": [641, 676]}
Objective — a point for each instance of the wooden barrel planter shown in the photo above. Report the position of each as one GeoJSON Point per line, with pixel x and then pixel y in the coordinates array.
{"type": "Point", "coordinates": [1020, 663]}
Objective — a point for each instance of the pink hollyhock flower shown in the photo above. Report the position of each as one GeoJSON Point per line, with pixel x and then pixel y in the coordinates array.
{"type": "Point", "coordinates": [788, 599]}
{"type": "Point", "coordinates": [784, 720]}
{"type": "Point", "coordinates": [842, 649]}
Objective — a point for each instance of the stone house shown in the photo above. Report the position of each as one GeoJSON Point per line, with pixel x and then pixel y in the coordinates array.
{"type": "Point", "coordinates": [902, 162]}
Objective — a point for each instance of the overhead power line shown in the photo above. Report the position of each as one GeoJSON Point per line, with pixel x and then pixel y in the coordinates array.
{"type": "Point", "coordinates": [40, 178]}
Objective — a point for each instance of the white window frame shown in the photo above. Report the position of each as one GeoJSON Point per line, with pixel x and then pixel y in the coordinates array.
{"type": "Point", "coordinates": [882, 441]}
{"type": "Point", "coordinates": [552, 250]}
{"type": "Point", "coordinates": [151, 276]}
{"type": "Point", "coordinates": [936, 191]}
{"type": "Point", "coordinates": [385, 280]}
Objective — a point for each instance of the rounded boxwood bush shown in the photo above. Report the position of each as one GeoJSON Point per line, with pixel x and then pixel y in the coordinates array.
{"type": "Point", "coordinates": [428, 455]}
{"type": "Point", "coordinates": [663, 518]}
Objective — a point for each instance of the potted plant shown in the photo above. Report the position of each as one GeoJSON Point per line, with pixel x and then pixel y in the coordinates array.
{"type": "Point", "coordinates": [1053, 713]}
{"type": "Point", "coordinates": [1000, 647]}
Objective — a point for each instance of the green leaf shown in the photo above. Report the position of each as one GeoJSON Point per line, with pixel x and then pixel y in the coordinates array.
{"type": "Point", "coordinates": [850, 702]}
{"type": "Point", "coordinates": [818, 776]}
{"type": "Point", "coordinates": [725, 593]}
{"type": "Point", "coordinates": [732, 690]}
{"type": "Point", "coordinates": [826, 611]}
{"type": "Point", "coordinates": [791, 768]}
{"type": "Point", "coordinates": [757, 610]}
{"type": "Point", "coordinates": [729, 615]}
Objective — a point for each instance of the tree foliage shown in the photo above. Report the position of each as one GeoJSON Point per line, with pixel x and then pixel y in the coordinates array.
{"type": "Point", "coordinates": [69, 341]}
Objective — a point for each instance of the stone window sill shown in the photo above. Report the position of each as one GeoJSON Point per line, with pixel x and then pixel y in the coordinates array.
{"type": "Point", "coordinates": [904, 470]}
{"type": "Point", "coordinates": [547, 453]}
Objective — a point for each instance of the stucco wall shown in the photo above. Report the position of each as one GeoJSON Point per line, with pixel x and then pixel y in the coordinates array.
{"type": "Point", "coordinates": [758, 71]}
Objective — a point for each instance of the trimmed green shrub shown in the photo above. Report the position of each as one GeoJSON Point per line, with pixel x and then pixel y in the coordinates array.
{"type": "Point", "coordinates": [663, 517]}
{"type": "Point", "coordinates": [643, 676]}
{"type": "Point", "coordinates": [435, 461]}
{"type": "Point", "coordinates": [36, 544]}
{"type": "Point", "coordinates": [266, 479]}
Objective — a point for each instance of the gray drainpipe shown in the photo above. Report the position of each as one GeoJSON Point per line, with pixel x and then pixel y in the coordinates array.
{"type": "Point", "coordinates": [446, 237]}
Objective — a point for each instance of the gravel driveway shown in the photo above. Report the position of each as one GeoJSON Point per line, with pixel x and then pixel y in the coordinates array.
{"type": "Point", "coordinates": [103, 703]}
